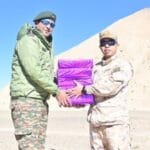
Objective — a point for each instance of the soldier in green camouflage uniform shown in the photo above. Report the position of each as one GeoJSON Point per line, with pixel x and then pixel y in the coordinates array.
{"type": "Point", "coordinates": [108, 117]}
{"type": "Point", "coordinates": [32, 82]}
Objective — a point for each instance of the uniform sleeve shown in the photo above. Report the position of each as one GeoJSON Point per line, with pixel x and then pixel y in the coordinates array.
{"type": "Point", "coordinates": [29, 57]}
{"type": "Point", "coordinates": [110, 85]}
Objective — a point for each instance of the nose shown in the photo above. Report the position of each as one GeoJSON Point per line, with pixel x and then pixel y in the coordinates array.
{"type": "Point", "coordinates": [48, 26]}
{"type": "Point", "coordinates": [106, 45]}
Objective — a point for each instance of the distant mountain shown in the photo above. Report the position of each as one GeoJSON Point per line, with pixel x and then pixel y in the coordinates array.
{"type": "Point", "coordinates": [134, 38]}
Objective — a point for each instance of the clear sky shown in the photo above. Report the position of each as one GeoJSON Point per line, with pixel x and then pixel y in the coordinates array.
{"type": "Point", "coordinates": [77, 20]}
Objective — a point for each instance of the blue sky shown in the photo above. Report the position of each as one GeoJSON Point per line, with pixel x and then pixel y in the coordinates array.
{"type": "Point", "coordinates": [77, 20]}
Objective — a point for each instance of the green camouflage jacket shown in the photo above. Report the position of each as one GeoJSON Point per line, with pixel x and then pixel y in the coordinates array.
{"type": "Point", "coordinates": [32, 66]}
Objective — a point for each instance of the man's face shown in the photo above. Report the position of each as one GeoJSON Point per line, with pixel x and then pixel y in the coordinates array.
{"type": "Point", "coordinates": [46, 26]}
{"type": "Point", "coordinates": [108, 47]}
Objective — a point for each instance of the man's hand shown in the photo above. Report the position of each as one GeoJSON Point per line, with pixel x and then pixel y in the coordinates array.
{"type": "Point", "coordinates": [62, 98]}
{"type": "Point", "coordinates": [76, 91]}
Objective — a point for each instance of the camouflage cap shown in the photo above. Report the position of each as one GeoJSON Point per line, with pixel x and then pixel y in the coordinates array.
{"type": "Point", "coordinates": [107, 34]}
{"type": "Point", "coordinates": [45, 15]}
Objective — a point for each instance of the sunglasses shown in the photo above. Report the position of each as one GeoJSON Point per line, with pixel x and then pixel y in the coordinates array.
{"type": "Point", "coordinates": [48, 22]}
{"type": "Point", "coordinates": [109, 42]}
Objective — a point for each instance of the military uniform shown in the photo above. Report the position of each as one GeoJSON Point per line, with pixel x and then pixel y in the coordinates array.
{"type": "Point", "coordinates": [31, 85]}
{"type": "Point", "coordinates": [30, 122]}
{"type": "Point", "coordinates": [109, 116]}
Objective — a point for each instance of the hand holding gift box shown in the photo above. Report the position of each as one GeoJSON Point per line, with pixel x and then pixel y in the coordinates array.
{"type": "Point", "coordinates": [75, 73]}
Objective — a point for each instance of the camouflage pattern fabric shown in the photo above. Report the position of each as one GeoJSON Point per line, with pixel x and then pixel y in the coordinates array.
{"type": "Point", "coordinates": [30, 117]}
{"type": "Point", "coordinates": [109, 117]}
{"type": "Point", "coordinates": [115, 137]}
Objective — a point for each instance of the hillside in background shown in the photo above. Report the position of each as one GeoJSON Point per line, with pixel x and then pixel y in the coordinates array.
{"type": "Point", "coordinates": [134, 38]}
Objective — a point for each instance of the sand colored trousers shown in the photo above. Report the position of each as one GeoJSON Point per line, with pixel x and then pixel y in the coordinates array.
{"type": "Point", "coordinates": [115, 137]}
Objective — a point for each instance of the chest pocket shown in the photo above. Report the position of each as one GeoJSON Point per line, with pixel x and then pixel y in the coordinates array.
{"type": "Point", "coordinates": [118, 75]}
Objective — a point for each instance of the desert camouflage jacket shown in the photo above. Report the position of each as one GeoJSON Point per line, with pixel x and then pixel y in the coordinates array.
{"type": "Point", "coordinates": [111, 78]}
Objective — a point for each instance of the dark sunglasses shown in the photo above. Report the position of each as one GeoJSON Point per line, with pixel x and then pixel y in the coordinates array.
{"type": "Point", "coordinates": [48, 22]}
{"type": "Point", "coordinates": [109, 42]}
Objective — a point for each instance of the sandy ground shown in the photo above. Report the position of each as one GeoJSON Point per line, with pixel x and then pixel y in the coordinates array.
{"type": "Point", "coordinates": [68, 130]}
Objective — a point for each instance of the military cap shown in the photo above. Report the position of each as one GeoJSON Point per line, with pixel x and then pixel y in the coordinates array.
{"type": "Point", "coordinates": [107, 34]}
{"type": "Point", "coordinates": [45, 15]}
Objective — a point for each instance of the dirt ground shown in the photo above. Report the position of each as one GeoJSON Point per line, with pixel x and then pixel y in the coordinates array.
{"type": "Point", "coordinates": [68, 130]}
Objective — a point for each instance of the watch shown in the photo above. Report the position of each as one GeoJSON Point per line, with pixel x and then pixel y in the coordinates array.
{"type": "Point", "coordinates": [83, 91]}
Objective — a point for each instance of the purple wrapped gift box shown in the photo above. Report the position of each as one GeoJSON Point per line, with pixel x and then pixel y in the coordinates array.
{"type": "Point", "coordinates": [76, 70]}
{"type": "Point", "coordinates": [84, 63]}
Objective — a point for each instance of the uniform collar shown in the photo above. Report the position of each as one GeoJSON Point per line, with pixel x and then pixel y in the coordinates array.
{"type": "Point", "coordinates": [109, 60]}
{"type": "Point", "coordinates": [39, 34]}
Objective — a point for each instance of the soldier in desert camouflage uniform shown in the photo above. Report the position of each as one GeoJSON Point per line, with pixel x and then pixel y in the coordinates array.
{"type": "Point", "coordinates": [108, 117]}
{"type": "Point", "coordinates": [33, 82]}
